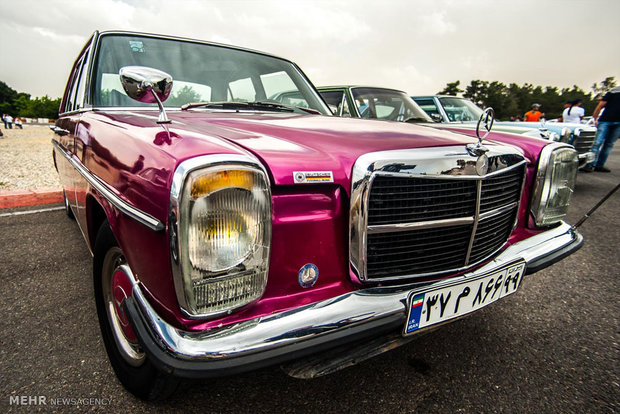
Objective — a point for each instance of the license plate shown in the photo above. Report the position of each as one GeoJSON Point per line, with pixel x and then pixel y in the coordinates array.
{"type": "Point", "coordinates": [442, 304]}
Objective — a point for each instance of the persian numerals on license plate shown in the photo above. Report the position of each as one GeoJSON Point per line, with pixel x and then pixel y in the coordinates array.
{"type": "Point", "coordinates": [439, 305]}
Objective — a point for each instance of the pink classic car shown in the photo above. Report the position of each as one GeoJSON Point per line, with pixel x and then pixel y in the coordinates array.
{"type": "Point", "coordinates": [234, 223]}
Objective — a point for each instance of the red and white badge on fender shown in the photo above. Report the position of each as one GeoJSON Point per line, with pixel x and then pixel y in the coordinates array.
{"type": "Point", "coordinates": [439, 305]}
{"type": "Point", "coordinates": [313, 177]}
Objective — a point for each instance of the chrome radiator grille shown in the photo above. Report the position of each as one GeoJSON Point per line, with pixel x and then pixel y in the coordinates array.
{"type": "Point", "coordinates": [426, 225]}
{"type": "Point", "coordinates": [584, 141]}
{"type": "Point", "coordinates": [406, 200]}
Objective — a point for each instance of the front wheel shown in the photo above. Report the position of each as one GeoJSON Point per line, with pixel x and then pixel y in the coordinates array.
{"type": "Point", "coordinates": [130, 363]}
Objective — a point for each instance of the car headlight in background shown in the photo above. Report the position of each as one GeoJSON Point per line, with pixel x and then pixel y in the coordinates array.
{"type": "Point", "coordinates": [555, 182]}
{"type": "Point", "coordinates": [552, 136]}
{"type": "Point", "coordinates": [566, 134]}
{"type": "Point", "coordinates": [220, 220]}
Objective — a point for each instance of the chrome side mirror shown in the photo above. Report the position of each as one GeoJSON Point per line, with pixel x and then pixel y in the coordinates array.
{"type": "Point", "coordinates": [147, 85]}
{"type": "Point", "coordinates": [436, 118]}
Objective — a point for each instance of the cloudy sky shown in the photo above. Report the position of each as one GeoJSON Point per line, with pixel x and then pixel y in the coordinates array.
{"type": "Point", "coordinates": [414, 45]}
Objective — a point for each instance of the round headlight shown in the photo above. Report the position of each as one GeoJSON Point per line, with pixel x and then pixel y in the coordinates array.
{"type": "Point", "coordinates": [220, 225]}
{"type": "Point", "coordinates": [223, 230]}
{"type": "Point", "coordinates": [566, 133]}
{"type": "Point", "coordinates": [555, 182]}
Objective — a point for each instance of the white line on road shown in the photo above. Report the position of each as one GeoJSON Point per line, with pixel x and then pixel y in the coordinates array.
{"type": "Point", "coordinates": [19, 213]}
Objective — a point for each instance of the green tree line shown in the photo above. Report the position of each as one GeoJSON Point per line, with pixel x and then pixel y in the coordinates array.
{"type": "Point", "coordinates": [20, 104]}
{"type": "Point", "coordinates": [514, 100]}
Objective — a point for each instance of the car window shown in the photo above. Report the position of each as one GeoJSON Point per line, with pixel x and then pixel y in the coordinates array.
{"type": "Point", "coordinates": [241, 90]}
{"type": "Point", "coordinates": [334, 100]}
{"type": "Point", "coordinates": [201, 73]}
{"type": "Point", "coordinates": [387, 104]}
{"type": "Point", "coordinates": [428, 105]}
{"type": "Point", "coordinates": [460, 110]}
{"type": "Point", "coordinates": [71, 97]}
{"type": "Point", "coordinates": [81, 86]}
{"type": "Point", "coordinates": [385, 110]}
{"type": "Point", "coordinates": [343, 108]}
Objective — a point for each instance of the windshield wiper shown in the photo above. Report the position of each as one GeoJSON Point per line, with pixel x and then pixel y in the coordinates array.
{"type": "Point", "coordinates": [221, 104]}
{"type": "Point", "coordinates": [286, 106]}
{"type": "Point", "coordinates": [258, 105]}
{"type": "Point", "coordinates": [416, 119]}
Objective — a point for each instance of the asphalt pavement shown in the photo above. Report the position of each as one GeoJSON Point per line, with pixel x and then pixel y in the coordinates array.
{"type": "Point", "coordinates": [551, 347]}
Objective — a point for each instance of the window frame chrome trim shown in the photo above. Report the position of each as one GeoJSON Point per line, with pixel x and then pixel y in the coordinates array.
{"type": "Point", "coordinates": [179, 177]}
{"type": "Point", "coordinates": [87, 52]}
{"type": "Point", "coordinates": [370, 165]}
{"type": "Point", "coordinates": [107, 193]}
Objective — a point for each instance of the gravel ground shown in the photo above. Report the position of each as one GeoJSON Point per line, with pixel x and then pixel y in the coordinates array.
{"type": "Point", "coordinates": [26, 159]}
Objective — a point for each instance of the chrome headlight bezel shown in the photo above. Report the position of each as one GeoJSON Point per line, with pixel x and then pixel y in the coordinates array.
{"type": "Point", "coordinates": [566, 134]}
{"type": "Point", "coordinates": [551, 176]}
{"type": "Point", "coordinates": [237, 272]}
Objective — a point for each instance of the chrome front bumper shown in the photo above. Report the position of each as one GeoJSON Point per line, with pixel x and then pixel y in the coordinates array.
{"type": "Point", "coordinates": [586, 158]}
{"type": "Point", "coordinates": [309, 329]}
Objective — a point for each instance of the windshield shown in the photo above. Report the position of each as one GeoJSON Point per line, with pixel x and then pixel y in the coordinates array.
{"type": "Point", "coordinates": [388, 105]}
{"type": "Point", "coordinates": [201, 73]}
{"type": "Point", "coordinates": [460, 110]}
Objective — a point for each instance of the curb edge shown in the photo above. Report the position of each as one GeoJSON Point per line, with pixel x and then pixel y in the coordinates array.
{"type": "Point", "coordinates": [24, 198]}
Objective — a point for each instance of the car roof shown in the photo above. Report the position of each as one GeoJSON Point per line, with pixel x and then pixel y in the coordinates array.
{"type": "Point", "coordinates": [186, 39]}
{"type": "Point", "coordinates": [358, 86]}
{"type": "Point", "coordinates": [438, 96]}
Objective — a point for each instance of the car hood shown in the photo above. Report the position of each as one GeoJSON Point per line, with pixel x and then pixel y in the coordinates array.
{"type": "Point", "coordinates": [286, 143]}
{"type": "Point", "coordinates": [529, 145]}
{"type": "Point", "coordinates": [524, 127]}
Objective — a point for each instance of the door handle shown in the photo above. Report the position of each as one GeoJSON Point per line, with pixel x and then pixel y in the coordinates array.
{"type": "Point", "coordinates": [59, 131]}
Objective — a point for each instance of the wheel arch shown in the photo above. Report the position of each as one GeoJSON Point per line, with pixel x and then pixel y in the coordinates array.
{"type": "Point", "coordinates": [96, 213]}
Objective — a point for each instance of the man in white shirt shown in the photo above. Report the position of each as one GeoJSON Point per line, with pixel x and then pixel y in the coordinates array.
{"type": "Point", "coordinates": [574, 112]}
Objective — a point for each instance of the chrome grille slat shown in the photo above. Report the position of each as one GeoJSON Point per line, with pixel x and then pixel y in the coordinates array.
{"type": "Point", "coordinates": [419, 197]}
{"type": "Point", "coordinates": [393, 210]}
{"type": "Point", "coordinates": [583, 143]}
{"type": "Point", "coordinates": [492, 234]}
{"type": "Point", "coordinates": [401, 200]}
{"type": "Point", "coordinates": [428, 249]}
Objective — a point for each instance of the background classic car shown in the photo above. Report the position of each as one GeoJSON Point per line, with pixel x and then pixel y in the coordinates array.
{"type": "Point", "coordinates": [372, 103]}
{"type": "Point", "coordinates": [461, 113]}
{"type": "Point", "coordinates": [239, 232]}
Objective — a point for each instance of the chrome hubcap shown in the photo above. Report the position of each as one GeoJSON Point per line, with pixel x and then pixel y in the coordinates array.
{"type": "Point", "coordinates": [114, 293]}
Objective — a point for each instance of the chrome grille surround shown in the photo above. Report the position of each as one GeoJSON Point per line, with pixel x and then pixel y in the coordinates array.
{"type": "Point", "coordinates": [447, 164]}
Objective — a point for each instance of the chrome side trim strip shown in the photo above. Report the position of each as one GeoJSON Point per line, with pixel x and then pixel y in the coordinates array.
{"type": "Point", "coordinates": [122, 205]}
{"type": "Point", "coordinates": [325, 321]}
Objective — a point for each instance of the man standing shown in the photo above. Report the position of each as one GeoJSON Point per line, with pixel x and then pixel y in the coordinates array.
{"type": "Point", "coordinates": [608, 129]}
{"type": "Point", "coordinates": [534, 114]}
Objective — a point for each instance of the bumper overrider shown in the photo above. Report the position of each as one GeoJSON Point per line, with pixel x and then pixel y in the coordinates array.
{"type": "Point", "coordinates": [586, 158]}
{"type": "Point", "coordinates": [312, 328]}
